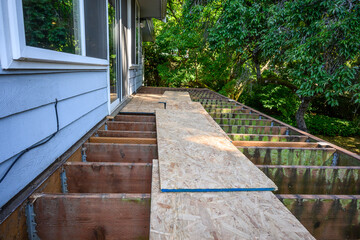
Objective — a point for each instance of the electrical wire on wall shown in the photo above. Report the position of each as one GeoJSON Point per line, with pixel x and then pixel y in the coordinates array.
{"type": "Point", "coordinates": [35, 145]}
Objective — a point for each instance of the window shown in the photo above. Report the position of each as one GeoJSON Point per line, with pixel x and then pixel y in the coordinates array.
{"type": "Point", "coordinates": [135, 32]}
{"type": "Point", "coordinates": [58, 34]}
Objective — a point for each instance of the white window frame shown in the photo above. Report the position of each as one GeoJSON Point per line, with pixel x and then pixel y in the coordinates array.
{"type": "Point", "coordinates": [15, 54]}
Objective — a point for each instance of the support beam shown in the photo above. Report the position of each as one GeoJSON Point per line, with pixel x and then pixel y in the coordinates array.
{"type": "Point", "coordinates": [314, 179]}
{"type": "Point", "coordinates": [122, 140]}
{"type": "Point", "coordinates": [249, 129]}
{"type": "Point", "coordinates": [267, 137]}
{"type": "Point", "coordinates": [235, 115]}
{"type": "Point", "coordinates": [326, 216]}
{"type": "Point", "coordinates": [108, 177]}
{"type": "Point", "coordinates": [289, 156]}
{"type": "Point", "coordinates": [130, 153]}
{"type": "Point", "coordinates": [126, 134]}
{"type": "Point", "coordinates": [92, 216]}
{"type": "Point", "coordinates": [131, 126]}
{"type": "Point", "coordinates": [275, 144]}
{"type": "Point", "coordinates": [134, 118]}
{"type": "Point", "coordinates": [235, 121]}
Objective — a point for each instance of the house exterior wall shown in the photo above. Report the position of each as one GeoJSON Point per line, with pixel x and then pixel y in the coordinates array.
{"type": "Point", "coordinates": [27, 116]}
{"type": "Point", "coordinates": [27, 113]}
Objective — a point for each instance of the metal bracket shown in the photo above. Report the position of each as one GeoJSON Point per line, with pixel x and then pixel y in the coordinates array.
{"type": "Point", "coordinates": [164, 104]}
{"type": "Point", "coordinates": [335, 159]}
{"type": "Point", "coordinates": [272, 124]}
{"type": "Point", "coordinates": [30, 222]}
{"type": "Point", "coordinates": [63, 181]}
{"type": "Point", "coordinates": [287, 132]}
{"type": "Point", "coordinates": [260, 117]}
{"type": "Point", "coordinates": [106, 127]}
{"type": "Point", "coordinates": [83, 154]}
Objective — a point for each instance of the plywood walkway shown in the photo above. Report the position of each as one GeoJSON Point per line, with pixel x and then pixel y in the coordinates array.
{"type": "Point", "coordinates": [220, 215]}
{"type": "Point", "coordinates": [195, 156]}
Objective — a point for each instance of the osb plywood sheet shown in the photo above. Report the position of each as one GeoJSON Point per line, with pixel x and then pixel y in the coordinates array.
{"type": "Point", "coordinates": [220, 215]}
{"type": "Point", "coordinates": [195, 156]}
{"type": "Point", "coordinates": [144, 103]}
{"type": "Point", "coordinates": [177, 96]}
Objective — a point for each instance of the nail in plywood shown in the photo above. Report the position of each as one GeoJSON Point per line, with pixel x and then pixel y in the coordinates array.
{"type": "Point", "coordinates": [108, 177]}
{"type": "Point", "coordinates": [92, 216]}
{"type": "Point", "coordinates": [131, 153]}
{"type": "Point", "coordinates": [195, 156]}
{"type": "Point", "coordinates": [220, 215]}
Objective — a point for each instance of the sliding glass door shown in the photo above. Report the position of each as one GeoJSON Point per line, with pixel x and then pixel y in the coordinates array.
{"type": "Point", "coordinates": [114, 52]}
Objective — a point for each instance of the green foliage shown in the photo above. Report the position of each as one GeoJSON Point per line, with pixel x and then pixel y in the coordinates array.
{"type": "Point", "coordinates": [49, 24]}
{"type": "Point", "coordinates": [315, 45]}
{"type": "Point", "coordinates": [272, 55]}
{"type": "Point", "coordinates": [324, 125]}
{"type": "Point", "coordinates": [272, 99]}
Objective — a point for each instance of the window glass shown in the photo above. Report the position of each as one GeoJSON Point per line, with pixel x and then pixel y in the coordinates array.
{"type": "Point", "coordinates": [137, 34]}
{"type": "Point", "coordinates": [95, 28]}
{"type": "Point", "coordinates": [52, 25]}
{"type": "Point", "coordinates": [112, 47]}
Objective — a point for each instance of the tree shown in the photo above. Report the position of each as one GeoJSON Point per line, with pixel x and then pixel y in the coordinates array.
{"type": "Point", "coordinates": [315, 46]}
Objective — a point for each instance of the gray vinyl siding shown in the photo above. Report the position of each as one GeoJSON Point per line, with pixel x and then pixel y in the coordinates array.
{"type": "Point", "coordinates": [27, 116]}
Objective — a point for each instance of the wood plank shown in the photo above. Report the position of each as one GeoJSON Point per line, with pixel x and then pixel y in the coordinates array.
{"type": "Point", "coordinates": [191, 147]}
{"type": "Point", "coordinates": [133, 153]}
{"type": "Point", "coordinates": [131, 134]}
{"type": "Point", "coordinates": [131, 126]}
{"type": "Point", "coordinates": [134, 118]}
{"type": "Point", "coordinates": [289, 156]}
{"type": "Point", "coordinates": [144, 103]}
{"type": "Point", "coordinates": [267, 137]}
{"type": "Point", "coordinates": [92, 216]}
{"type": "Point", "coordinates": [314, 179]}
{"type": "Point", "coordinates": [244, 121]}
{"type": "Point", "coordinates": [235, 115]}
{"type": "Point", "coordinates": [220, 215]}
{"type": "Point", "coordinates": [108, 177]}
{"type": "Point", "coordinates": [275, 144]}
{"type": "Point", "coordinates": [250, 129]}
{"type": "Point", "coordinates": [122, 140]}
{"type": "Point", "coordinates": [326, 216]}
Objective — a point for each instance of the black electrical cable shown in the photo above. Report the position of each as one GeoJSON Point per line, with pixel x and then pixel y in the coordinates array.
{"type": "Point", "coordinates": [35, 145]}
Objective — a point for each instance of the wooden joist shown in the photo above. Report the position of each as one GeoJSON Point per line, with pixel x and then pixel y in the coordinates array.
{"type": "Point", "coordinates": [131, 134]}
{"type": "Point", "coordinates": [92, 216]}
{"type": "Point", "coordinates": [131, 153]}
{"type": "Point", "coordinates": [314, 179]}
{"type": "Point", "coordinates": [289, 156]}
{"type": "Point", "coordinates": [131, 126]}
{"type": "Point", "coordinates": [250, 129]}
{"type": "Point", "coordinates": [267, 137]}
{"type": "Point", "coordinates": [134, 118]}
{"type": "Point", "coordinates": [90, 177]}
{"type": "Point", "coordinates": [228, 110]}
{"type": "Point", "coordinates": [326, 216]}
{"type": "Point", "coordinates": [122, 140]}
{"type": "Point", "coordinates": [244, 121]}
{"type": "Point", "coordinates": [236, 115]}
{"type": "Point", "coordinates": [275, 144]}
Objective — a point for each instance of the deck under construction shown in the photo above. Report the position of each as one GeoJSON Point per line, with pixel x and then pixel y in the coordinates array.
{"type": "Point", "coordinates": [193, 164]}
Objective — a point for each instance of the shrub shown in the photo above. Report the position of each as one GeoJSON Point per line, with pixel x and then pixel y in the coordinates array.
{"type": "Point", "coordinates": [329, 126]}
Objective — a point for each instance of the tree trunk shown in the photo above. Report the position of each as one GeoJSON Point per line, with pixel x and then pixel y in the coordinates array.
{"type": "Point", "coordinates": [305, 102]}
